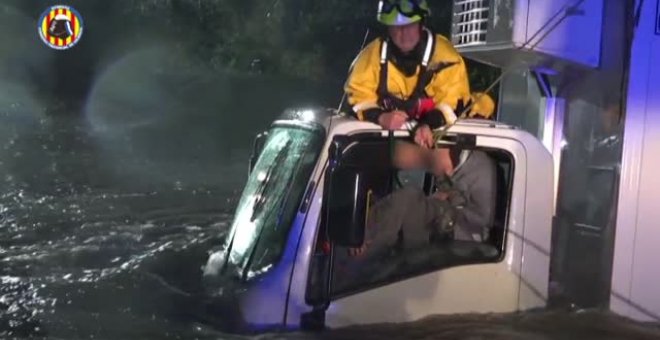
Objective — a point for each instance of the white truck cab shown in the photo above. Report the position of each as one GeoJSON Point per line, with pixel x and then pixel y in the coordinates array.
{"type": "Point", "coordinates": [305, 202]}
{"type": "Point", "coordinates": [576, 74]}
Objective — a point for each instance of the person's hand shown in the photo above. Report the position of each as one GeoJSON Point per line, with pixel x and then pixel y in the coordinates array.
{"type": "Point", "coordinates": [441, 195]}
{"type": "Point", "coordinates": [392, 120]}
{"type": "Point", "coordinates": [424, 137]}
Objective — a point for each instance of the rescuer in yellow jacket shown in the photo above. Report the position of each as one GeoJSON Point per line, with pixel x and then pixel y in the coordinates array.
{"type": "Point", "coordinates": [412, 74]}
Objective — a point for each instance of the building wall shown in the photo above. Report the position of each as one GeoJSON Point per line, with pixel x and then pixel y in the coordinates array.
{"type": "Point", "coordinates": [592, 132]}
{"type": "Point", "coordinates": [636, 280]}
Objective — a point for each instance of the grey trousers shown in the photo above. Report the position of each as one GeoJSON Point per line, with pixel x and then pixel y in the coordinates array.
{"type": "Point", "coordinates": [408, 210]}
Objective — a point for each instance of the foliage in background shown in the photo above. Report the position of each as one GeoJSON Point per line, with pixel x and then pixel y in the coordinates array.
{"type": "Point", "coordinates": [310, 39]}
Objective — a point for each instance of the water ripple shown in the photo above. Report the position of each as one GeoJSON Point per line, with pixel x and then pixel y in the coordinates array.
{"type": "Point", "coordinates": [73, 268]}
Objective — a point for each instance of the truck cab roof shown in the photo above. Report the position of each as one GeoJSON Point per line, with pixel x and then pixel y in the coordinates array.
{"type": "Point", "coordinates": [340, 123]}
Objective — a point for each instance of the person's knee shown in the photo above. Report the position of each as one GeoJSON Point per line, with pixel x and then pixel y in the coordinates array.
{"type": "Point", "coordinates": [410, 156]}
{"type": "Point", "coordinates": [391, 211]}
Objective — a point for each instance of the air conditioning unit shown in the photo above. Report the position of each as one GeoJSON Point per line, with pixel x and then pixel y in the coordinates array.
{"type": "Point", "coordinates": [538, 32]}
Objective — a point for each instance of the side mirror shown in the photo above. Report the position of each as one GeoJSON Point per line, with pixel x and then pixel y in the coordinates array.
{"type": "Point", "coordinates": [346, 206]}
{"type": "Point", "coordinates": [257, 147]}
{"type": "Point", "coordinates": [335, 151]}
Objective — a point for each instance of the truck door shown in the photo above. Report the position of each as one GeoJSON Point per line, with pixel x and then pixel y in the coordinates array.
{"type": "Point", "coordinates": [464, 274]}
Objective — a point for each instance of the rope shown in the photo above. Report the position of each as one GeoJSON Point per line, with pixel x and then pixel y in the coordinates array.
{"type": "Point", "coordinates": [448, 111]}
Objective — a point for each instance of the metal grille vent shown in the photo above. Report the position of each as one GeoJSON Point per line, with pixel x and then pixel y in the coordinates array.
{"type": "Point", "coordinates": [470, 22]}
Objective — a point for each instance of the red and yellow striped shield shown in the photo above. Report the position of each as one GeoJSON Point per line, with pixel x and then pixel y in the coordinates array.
{"type": "Point", "coordinates": [60, 27]}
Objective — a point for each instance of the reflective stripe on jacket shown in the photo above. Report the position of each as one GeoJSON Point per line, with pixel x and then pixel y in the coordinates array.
{"type": "Point", "coordinates": [449, 83]}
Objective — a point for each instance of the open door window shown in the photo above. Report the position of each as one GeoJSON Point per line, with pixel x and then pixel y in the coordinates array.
{"type": "Point", "coordinates": [405, 223]}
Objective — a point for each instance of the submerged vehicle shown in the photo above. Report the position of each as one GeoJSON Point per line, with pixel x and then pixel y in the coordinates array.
{"type": "Point", "coordinates": [305, 204]}
{"type": "Point", "coordinates": [312, 174]}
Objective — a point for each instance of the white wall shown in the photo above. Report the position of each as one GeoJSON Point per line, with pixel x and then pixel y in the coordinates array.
{"type": "Point", "coordinates": [636, 269]}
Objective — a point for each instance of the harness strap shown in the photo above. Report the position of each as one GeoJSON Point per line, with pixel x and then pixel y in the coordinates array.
{"type": "Point", "coordinates": [382, 81]}
{"type": "Point", "coordinates": [424, 76]}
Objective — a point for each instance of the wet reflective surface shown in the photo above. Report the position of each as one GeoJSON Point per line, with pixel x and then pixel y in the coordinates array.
{"type": "Point", "coordinates": [99, 262]}
{"type": "Point", "coordinates": [104, 264]}
{"type": "Point", "coordinates": [117, 180]}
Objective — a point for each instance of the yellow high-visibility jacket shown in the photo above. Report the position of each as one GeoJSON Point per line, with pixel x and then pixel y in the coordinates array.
{"type": "Point", "coordinates": [449, 83]}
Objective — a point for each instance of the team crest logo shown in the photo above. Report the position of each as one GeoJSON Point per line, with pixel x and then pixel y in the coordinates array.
{"type": "Point", "coordinates": [60, 27]}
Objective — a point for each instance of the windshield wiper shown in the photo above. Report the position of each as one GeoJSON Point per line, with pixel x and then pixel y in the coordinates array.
{"type": "Point", "coordinates": [265, 186]}
{"type": "Point", "coordinates": [278, 211]}
{"type": "Point", "coordinates": [257, 207]}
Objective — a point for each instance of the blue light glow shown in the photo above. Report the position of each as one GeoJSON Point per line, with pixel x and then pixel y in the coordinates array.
{"type": "Point", "coordinates": [657, 18]}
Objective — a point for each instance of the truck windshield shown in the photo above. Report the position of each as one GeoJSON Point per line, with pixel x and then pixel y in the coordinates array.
{"type": "Point", "coordinates": [271, 198]}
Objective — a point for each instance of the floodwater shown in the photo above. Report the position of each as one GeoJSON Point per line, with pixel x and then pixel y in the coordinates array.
{"type": "Point", "coordinates": [110, 252]}
{"type": "Point", "coordinates": [127, 265]}
{"type": "Point", "coordinates": [108, 214]}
